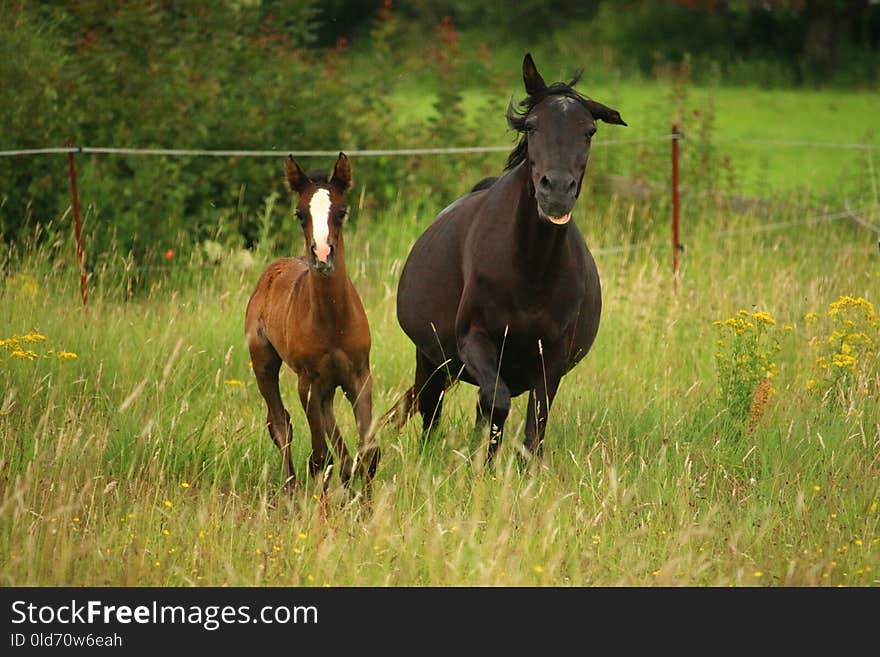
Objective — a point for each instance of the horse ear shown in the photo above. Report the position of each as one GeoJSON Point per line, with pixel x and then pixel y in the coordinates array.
{"type": "Point", "coordinates": [296, 177]}
{"type": "Point", "coordinates": [605, 113]}
{"type": "Point", "coordinates": [532, 79]}
{"type": "Point", "coordinates": [342, 173]}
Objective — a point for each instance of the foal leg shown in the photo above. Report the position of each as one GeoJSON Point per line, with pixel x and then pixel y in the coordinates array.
{"type": "Point", "coordinates": [336, 440]}
{"type": "Point", "coordinates": [359, 392]}
{"type": "Point", "coordinates": [311, 399]}
{"type": "Point", "coordinates": [480, 357]}
{"type": "Point", "coordinates": [266, 365]}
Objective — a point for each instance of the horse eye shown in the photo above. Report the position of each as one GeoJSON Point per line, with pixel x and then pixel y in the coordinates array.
{"type": "Point", "coordinates": [300, 215]}
{"type": "Point", "coordinates": [591, 132]}
{"type": "Point", "coordinates": [342, 214]}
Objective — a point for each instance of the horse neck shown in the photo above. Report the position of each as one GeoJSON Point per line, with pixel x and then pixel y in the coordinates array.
{"type": "Point", "coordinates": [539, 243]}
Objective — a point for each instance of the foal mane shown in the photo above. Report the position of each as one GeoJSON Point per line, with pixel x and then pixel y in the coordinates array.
{"type": "Point", "coordinates": [318, 176]}
{"type": "Point", "coordinates": [516, 118]}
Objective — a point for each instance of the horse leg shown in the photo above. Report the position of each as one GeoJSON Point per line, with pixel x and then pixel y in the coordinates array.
{"type": "Point", "coordinates": [480, 357]}
{"type": "Point", "coordinates": [430, 384]}
{"type": "Point", "coordinates": [481, 419]}
{"type": "Point", "coordinates": [266, 365]}
{"type": "Point", "coordinates": [359, 392]}
{"type": "Point", "coordinates": [311, 399]}
{"type": "Point", "coordinates": [540, 400]}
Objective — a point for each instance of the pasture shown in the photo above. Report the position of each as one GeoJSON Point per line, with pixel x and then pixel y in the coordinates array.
{"type": "Point", "coordinates": [134, 451]}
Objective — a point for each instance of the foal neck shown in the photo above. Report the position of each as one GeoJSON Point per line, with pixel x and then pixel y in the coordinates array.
{"type": "Point", "coordinates": [329, 292]}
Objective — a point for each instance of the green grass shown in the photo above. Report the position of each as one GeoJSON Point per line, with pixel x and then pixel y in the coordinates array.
{"type": "Point", "coordinates": [145, 460]}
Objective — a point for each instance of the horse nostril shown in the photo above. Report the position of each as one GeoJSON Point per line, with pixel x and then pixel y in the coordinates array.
{"type": "Point", "coordinates": [572, 186]}
{"type": "Point", "coordinates": [544, 182]}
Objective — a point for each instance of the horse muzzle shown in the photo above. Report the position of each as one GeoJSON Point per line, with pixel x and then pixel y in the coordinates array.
{"type": "Point", "coordinates": [556, 194]}
{"type": "Point", "coordinates": [555, 211]}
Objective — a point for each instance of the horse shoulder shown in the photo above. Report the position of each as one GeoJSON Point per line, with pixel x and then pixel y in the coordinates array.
{"type": "Point", "coordinates": [271, 293]}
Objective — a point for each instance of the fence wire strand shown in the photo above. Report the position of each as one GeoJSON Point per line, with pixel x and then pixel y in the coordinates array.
{"type": "Point", "coordinates": [855, 215]}
{"type": "Point", "coordinates": [380, 152]}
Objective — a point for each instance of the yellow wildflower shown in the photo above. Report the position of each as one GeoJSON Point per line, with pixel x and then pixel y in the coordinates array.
{"type": "Point", "coordinates": [33, 336]}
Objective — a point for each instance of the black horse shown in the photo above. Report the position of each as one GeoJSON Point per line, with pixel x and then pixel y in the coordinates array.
{"type": "Point", "coordinates": [501, 291]}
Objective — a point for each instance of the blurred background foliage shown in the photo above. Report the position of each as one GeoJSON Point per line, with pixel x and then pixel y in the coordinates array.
{"type": "Point", "coordinates": [269, 74]}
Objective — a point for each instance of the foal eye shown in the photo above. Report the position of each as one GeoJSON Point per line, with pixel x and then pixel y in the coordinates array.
{"type": "Point", "coordinates": [342, 214]}
{"type": "Point", "coordinates": [300, 215]}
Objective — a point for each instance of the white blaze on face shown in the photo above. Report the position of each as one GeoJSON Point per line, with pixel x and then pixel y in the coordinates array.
{"type": "Point", "coordinates": [319, 208]}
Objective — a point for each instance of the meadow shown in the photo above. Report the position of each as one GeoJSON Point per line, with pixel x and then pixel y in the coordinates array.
{"type": "Point", "coordinates": [723, 431]}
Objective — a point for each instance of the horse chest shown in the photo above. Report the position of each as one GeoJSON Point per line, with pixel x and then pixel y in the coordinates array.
{"type": "Point", "coordinates": [527, 312]}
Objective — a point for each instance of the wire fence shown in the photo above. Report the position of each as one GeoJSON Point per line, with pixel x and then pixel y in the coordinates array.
{"type": "Point", "coordinates": [857, 216]}
{"type": "Point", "coordinates": [854, 215]}
{"type": "Point", "coordinates": [381, 152]}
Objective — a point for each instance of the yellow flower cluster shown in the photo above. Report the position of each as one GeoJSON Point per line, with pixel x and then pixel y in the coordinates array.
{"type": "Point", "coordinates": [744, 360]}
{"type": "Point", "coordinates": [744, 321]}
{"type": "Point", "coordinates": [22, 347]}
{"type": "Point", "coordinates": [852, 346]}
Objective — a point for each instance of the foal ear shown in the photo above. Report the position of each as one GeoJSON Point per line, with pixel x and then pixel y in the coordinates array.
{"type": "Point", "coordinates": [297, 180]}
{"type": "Point", "coordinates": [600, 111]}
{"type": "Point", "coordinates": [342, 173]}
{"type": "Point", "coordinates": [532, 79]}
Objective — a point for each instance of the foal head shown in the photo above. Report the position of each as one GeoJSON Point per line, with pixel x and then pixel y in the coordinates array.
{"type": "Point", "coordinates": [321, 210]}
{"type": "Point", "coordinates": [558, 125]}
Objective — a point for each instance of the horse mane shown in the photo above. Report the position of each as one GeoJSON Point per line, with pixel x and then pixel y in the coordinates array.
{"type": "Point", "coordinates": [516, 118]}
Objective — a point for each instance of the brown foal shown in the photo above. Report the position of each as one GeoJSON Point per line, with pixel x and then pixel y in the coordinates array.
{"type": "Point", "coordinates": [307, 313]}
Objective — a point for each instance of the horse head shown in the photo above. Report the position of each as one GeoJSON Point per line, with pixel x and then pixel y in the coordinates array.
{"type": "Point", "coordinates": [558, 125]}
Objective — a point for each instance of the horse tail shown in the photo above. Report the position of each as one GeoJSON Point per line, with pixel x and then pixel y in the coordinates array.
{"type": "Point", "coordinates": [402, 410]}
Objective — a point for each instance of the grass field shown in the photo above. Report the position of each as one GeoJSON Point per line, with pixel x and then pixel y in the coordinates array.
{"type": "Point", "coordinates": [133, 449]}
{"type": "Point", "coordinates": [144, 459]}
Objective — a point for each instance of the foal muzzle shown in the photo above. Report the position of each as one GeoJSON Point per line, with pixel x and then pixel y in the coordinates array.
{"type": "Point", "coordinates": [322, 259]}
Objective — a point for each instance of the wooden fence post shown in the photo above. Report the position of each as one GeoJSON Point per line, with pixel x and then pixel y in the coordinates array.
{"type": "Point", "coordinates": [80, 251]}
{"type": "Point", "coordinates": [676, 241]}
